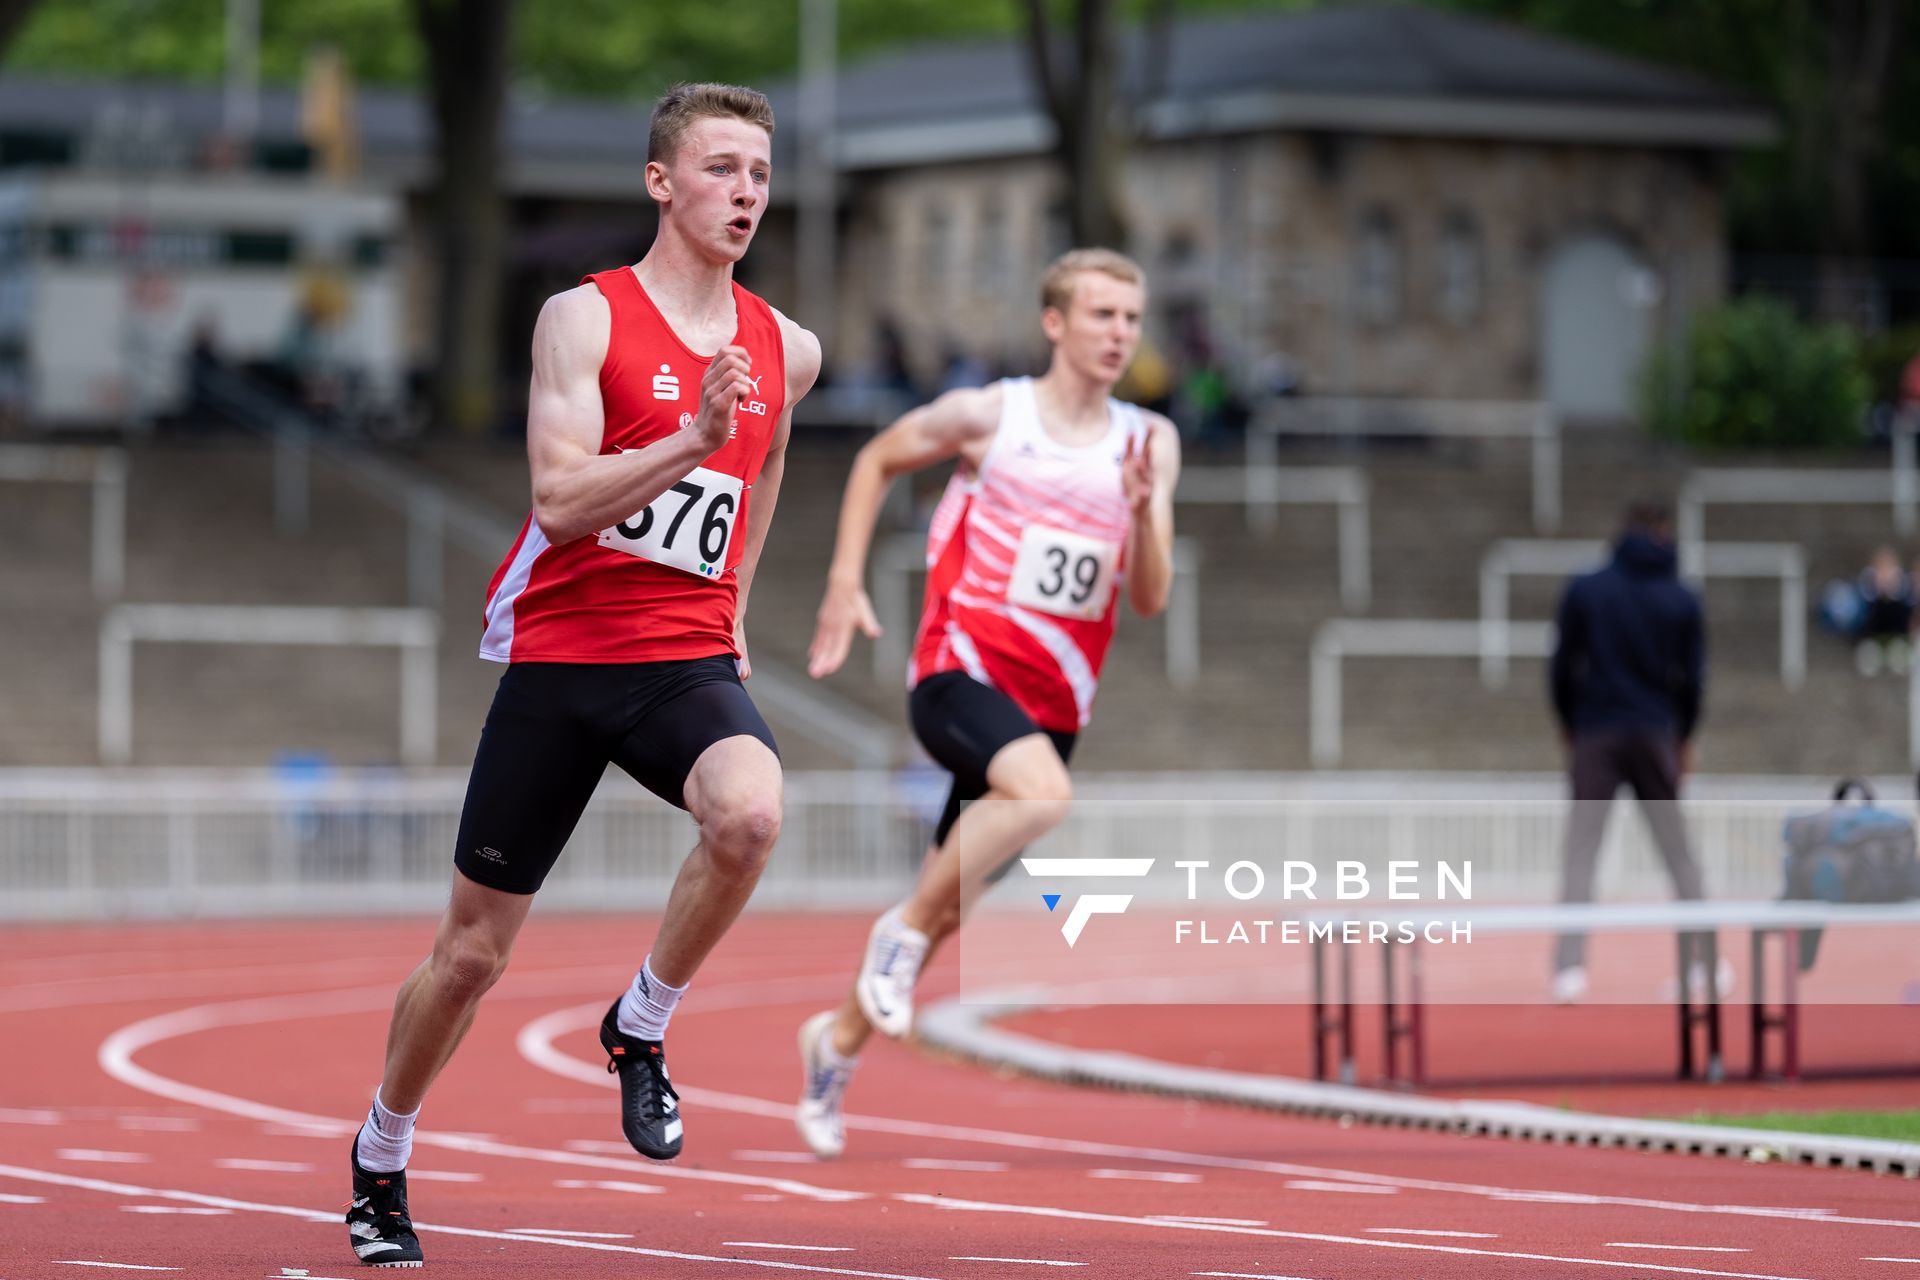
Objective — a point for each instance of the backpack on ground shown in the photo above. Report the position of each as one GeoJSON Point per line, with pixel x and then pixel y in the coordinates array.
{"type": "Point", "coordinates": [1851, 852]}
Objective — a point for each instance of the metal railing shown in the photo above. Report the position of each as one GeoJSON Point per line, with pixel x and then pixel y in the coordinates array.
{"type": "Point", "coordinates": [105, 470]}
{"type": "Point", "coordinates": [1810, 486]}
{"type": "Point", "coordinates": [415, 632]}
{"type": "Point", "coordinates": [1513, 557]}
{"type": "Point", "coordinates": [898, 558]}
{"type": "Point", "coordinates": [1361, 416]}
{"type": "Point", "coordinates": [1342, 638]}
{"type": "Point", "coordinates": [1264, 490]}
{"type": "Point", "coordinates": [85, 843]}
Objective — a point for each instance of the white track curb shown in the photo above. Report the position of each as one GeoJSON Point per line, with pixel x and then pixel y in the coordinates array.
{"type": "Point", "coordinates": [965, 1029]}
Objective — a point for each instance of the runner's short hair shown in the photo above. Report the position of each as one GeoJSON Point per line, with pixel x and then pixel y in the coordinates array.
{"type": "Point", "coordinates": [1056, 283]}
{"type": "Point", "coordinates": [683, 104]}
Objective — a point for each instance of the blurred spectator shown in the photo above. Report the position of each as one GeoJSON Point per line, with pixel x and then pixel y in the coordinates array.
{"type": "Point", "coordinates": [201, 376]}
{"type": "Point", "coordinates": [1627, 676]}
{"type": "Point", "coordinates": [891, 372]}
{"type": "Point", "coordinates": [308, 358]}
{"type": "Point", "coordinates": [1876, 612]}
{"type": "Point", "coordinates": [1148, 381]}
{"type": "Point", "coordinates": [961, 369]}
{"type": "Point", "coordinates": [1910, 384]}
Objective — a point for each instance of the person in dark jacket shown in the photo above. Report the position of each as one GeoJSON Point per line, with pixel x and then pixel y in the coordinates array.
{"type": "Point", "coordinates": [1627, 677]}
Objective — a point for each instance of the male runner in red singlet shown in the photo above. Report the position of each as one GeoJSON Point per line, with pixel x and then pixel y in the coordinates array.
{"type": "Point", "coordinates": [1062, 495]}
{"type": "Point", "coordinates": [661, 401]}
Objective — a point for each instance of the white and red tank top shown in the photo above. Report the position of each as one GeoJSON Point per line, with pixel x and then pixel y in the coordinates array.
{"type": "Point", "coordinates": [659, 585]}
{"type": "Point", "coordinates": [1024, 563]}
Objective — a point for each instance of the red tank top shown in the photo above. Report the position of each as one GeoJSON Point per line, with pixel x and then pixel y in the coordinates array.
{"type": "Point", "coordinates": [661, 584]}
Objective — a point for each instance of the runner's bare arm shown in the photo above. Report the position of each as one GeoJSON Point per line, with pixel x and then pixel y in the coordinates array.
{"type": "Point", "coordinates": [576, 490]}
{"type": "Point", "coordinates": [958, 424]}
{"type": "Point", "coordinates": [803, 367]}
{"type": "Point", "coordinates": [1150, 477]}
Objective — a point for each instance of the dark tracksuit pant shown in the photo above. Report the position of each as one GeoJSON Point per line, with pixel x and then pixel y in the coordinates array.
{"type": "Point", "coordinates": [1648, 762]}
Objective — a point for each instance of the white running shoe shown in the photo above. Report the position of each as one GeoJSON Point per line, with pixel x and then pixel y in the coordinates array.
{"type": "Point", "coordinates": [887, 974]}
{"type": "Point", "coordinates": [1570, 984]}
{"type": "Point", "coordinates": [818, 1116]}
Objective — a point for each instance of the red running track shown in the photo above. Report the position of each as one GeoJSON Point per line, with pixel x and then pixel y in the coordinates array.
{"type": "Point", "coordinates": [176, 1100]}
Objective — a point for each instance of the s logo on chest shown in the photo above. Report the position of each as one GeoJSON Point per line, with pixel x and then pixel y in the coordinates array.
{"type": "Point", "coordinates": [666, 386]}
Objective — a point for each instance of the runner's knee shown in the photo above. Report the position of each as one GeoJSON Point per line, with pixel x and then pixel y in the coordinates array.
{"type": "Point", "coordinates": [467, 963]}
{"type": "Point", "coordinates": [740, 834]}
{"type": "Point", "coordinates": [1043, 794]}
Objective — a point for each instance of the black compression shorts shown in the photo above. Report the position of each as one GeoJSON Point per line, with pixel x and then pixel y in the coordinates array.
{"type": "Point", "coordinates": [553, 729]}
{"type": "Point", "coordinates": [963, 724]}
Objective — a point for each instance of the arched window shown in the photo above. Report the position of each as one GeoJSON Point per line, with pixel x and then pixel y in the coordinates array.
{"type": "Point", "coordinates": [1463, 263]}
{"type": "Point", "coordinates": [1377, 269]}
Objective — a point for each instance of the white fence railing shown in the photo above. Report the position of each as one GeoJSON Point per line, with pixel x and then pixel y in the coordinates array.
{"type": "Point", "coordinates": [1343, 638]}
{"type": "Point", "coordinates": [1810, 486]}
{"type": "Point", "coordinates": [899, 558]}
{"type": "Point", "coordinates": [415, 632]}
{"type": "Point", "coordinates": [1264, 490]}
{"type": "Point", "coordinates": [105, 470]}
{"type": "Point", "coordinates": [1359, 416]}
{"type": "Point", "coordinates": [1514, 557]}
{"type": "Point", "coordinates": [84, 844]}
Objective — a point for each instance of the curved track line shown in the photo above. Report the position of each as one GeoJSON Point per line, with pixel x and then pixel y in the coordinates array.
{"type": "Point", "coordinates": [1317, 1237]}
{"type": "Point", "coordinates": [333, 1218]}
{"type": "Point", "coordinates": [536, 1044]}
{"type": "Point", "coordinates": [117, 1051]}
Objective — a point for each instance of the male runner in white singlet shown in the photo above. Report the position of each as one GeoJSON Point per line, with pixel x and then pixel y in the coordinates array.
{"type": "Point", "coordinates": [1063, 498]}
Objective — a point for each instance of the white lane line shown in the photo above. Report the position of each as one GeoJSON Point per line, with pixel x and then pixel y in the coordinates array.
{"type": "Point", "coordinates": [777, 1157]}
{"type": "Point", "coordinates": [1677, 1248]}
{"type": "Point", "coordinates": [1890, 1260]}
{"type": "Point", "coordinates": [116, 1266]}
{"type": "Point", "coordinates": [28, 1115]}
{"type": "Point", "coordinates": [956, 1166]}
{"type": "Point", "coordinates": [536, 1045]}
{"type": "Point", "coordinates": [265, 1166]}
{"type": "Point", "coordinates": [330, 1130]}
{"type": "Point", "coordinates": [1078, 1215]}
{"type": "Point", "coordinates": [1028, 1262]}
{"type": "Point", "coordinates": [1143, 1175]}
{"type": "Point", "coordinates": [438, 1175]}
{"type": "Point", "coordinates": [13, 1199]}
{"type": "Point", "coordinates": [800, 1248]}
{"type": "Point", "coordinates": [117, 1051]}
{"type": "Point", "coordinates": [562, 1231]}
{"type": "Point", "coordinates": [160, 1124]}
{"type": "Point", "coordinates": [87, 1155]}
{"type": "Point", "coordinates": [1212, 1222]}
{"type": "Point", "coordinates": [1421, 1231]}
{"type": "Point", "coordinates": [609, 1184]}
{"type": "Point", "coordinates": [331, 1217]}
{"type": "Point", "coordinates": [1345, 1188]}
{"type": "Point", "coordinates": [190, 1210]}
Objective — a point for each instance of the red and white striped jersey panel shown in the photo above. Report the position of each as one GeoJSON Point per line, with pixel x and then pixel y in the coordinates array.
{"type": "Point", "coordinates": [1046, 661]}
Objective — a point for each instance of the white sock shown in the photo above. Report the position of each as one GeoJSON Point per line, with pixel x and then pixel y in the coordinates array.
{"type": "Point", "coordinates": [648, 1004]}
{"type": "Point", "coordinates": [386, 1139]}
{"type": "Point", "coordinates": [830, 1057]}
